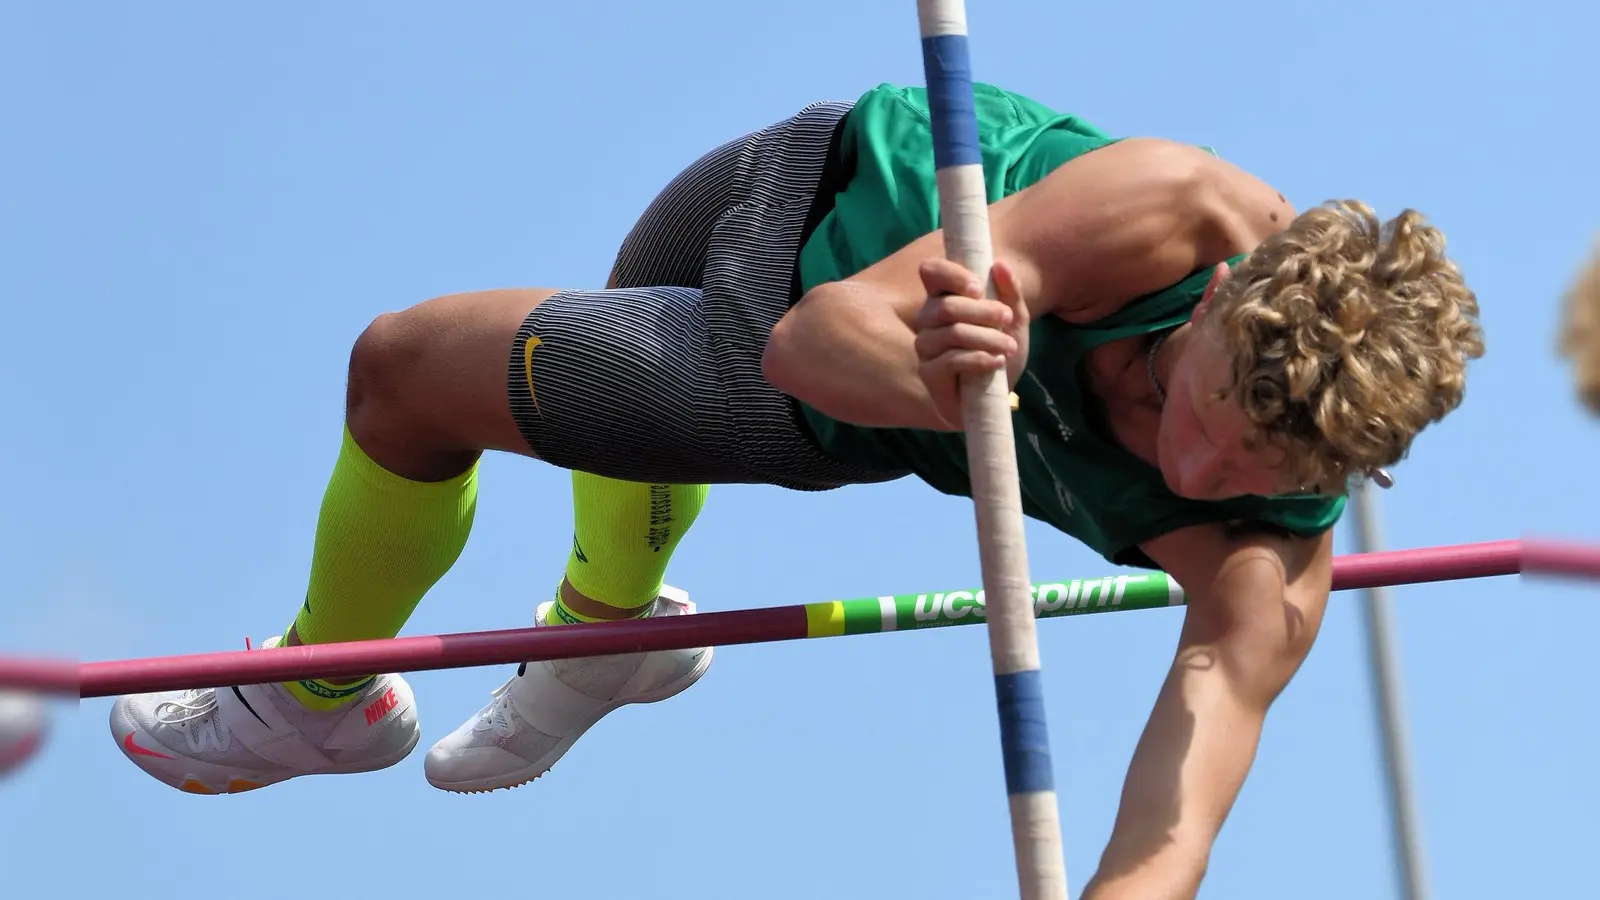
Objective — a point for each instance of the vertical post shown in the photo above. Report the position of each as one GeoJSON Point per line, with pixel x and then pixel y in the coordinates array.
{"type": "Point", "coordinates": [1390, 708]}
{"type": "Point", "coordinates": [992, 462]}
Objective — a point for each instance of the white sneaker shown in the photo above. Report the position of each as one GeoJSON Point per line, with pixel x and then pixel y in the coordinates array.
{"type": "Point", "coordinates": [542, 711]}
{"type": "Point", "coordinates": [234, 739]}
{"type": "Point", "coordinates": [24, 722]}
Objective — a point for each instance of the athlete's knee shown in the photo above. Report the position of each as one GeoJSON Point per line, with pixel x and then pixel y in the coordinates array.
{"type": "Point", "coordinates": [385, 351]}
{"type": "Point", "coordinates": [434, 376]}
{"type": "Point", "coordinates": [398, 399]}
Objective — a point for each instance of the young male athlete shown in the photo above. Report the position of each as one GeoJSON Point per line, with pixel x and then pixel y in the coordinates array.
{"type": "Point", "coordinates": [1200, 372]}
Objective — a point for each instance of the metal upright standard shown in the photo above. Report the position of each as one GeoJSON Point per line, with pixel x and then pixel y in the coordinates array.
{"type": "Point", "coordinates": [1390, 708]}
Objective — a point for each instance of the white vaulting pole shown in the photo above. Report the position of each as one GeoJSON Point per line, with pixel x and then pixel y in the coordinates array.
{"type": "Point", "coordinates": [991, 458]}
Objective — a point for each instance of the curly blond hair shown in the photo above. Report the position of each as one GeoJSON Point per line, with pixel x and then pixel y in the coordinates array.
{"type": "Point", "coordinates": [1580, 336]}
{"type": "Point", "coordinates": [1349, 336]}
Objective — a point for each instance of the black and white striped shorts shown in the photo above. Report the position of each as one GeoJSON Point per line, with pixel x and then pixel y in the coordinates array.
{"type": "Point", "coordinates": [659, 380]}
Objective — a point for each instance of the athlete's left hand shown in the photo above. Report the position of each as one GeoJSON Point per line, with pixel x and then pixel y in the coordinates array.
{"type": "Point", "coordinates": [960, 333]}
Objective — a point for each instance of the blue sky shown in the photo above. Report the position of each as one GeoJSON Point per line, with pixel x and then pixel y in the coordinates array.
{"type": "Point", "coordinates": [202, 207]}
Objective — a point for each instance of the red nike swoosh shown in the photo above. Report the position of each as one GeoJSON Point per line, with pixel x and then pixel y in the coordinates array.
{"type": "Point", "coordinates": [131, 747]}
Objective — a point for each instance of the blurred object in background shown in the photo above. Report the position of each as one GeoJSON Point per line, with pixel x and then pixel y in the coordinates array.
{"type": "Point", "coordinates": [1580, 332]}
{"type": "Point", "coordinates": [24, 720]}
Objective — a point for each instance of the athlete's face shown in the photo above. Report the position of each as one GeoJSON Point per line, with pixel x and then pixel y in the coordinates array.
{"type": "Point", "coordinates": [1201, 445]}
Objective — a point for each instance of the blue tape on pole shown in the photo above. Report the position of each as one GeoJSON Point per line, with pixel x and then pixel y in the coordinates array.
{"type": "Point", "coordinates": [1024, 737]}
{"type": "Point", "coordinates": [948, 68]}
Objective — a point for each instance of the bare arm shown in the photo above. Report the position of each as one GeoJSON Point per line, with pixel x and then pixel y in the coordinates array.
{"type": "Point", "coordinates": [1100, 230]}
{"type": "Point", "coordinates": [850, 352]}
{"type": "Point", "coordinates": [1255, 604]}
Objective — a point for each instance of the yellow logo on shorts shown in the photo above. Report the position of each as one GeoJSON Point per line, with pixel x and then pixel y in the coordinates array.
{"type": "Point", "coordinates": [527, 369]}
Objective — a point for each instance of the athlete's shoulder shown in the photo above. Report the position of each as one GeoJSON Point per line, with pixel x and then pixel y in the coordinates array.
{"type": "Point", "coordinates": [1106, 227]}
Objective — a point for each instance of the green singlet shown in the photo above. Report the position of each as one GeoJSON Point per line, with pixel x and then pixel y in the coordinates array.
{"type": "Point", "coordinates": [1074, 475]}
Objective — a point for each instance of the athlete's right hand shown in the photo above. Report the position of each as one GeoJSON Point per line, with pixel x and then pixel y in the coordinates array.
{"type": "Point", "coordinates": [959, 333]}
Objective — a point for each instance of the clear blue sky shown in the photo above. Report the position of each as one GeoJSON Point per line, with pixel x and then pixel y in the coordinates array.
{"type": "Point", "coordinates": [201, 208]}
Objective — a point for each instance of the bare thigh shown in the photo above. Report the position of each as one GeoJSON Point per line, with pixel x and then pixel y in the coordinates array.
{"type": "Point", "coordinates": [428, 389]}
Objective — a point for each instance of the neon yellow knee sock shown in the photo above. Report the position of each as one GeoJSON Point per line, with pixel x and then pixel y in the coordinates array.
{"type": "Point", "coordinates": [623, 536]}
{"type": "Point", "coordinates": [382, 542]}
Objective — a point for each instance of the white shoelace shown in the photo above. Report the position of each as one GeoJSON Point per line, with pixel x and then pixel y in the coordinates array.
{"type": "Point", "coordinates": [498, 714]}
{"type": "Point", "coordinates": [194, 714]}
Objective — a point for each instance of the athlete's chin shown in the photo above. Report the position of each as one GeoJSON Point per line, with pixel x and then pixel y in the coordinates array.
{"type": "Point", "coordinates": [1171, 473]}
{"type": "Point", "coordinates": [1182, 487]}
{"type": "Point", "coordinates": [1188, 494]}
{"type": "Point", "coordinates": [1174, 481]}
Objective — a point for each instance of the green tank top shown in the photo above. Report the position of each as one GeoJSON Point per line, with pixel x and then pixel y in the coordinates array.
{"type": "Point", "coordinates": [1074, 475]}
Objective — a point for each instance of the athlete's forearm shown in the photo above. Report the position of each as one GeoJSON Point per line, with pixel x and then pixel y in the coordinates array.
{"type": "Point", "coordinates": [1245, 635]}
{"type": "Point", "coordinates": [1186, 773]}
{"type": "Point", "coordinates": [846, 350]}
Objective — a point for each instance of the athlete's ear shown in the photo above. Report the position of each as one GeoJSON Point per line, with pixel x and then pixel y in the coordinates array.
{"type": "Point", "coordinates": [1218, 275]}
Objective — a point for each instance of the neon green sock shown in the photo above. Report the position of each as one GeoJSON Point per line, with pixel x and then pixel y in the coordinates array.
{"type": "Point", "coordinates": [623, 536]}
{"type": "Point", "coordinates": [382, 542]}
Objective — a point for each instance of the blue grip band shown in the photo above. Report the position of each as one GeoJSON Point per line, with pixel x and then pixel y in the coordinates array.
{"type": "Point", "coordinates": [948, 69]}
{"type": "Point", "coordinates": [1024, 737]}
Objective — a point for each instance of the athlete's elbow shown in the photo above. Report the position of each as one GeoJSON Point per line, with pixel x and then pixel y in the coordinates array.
{"type": "Point", "coordinates": [1260, 657]}
{"type": "Point", "coordinates": [847, 358]}
{"type": "Point", "coordinates": [781, 362]}
{"type": "Point", "coordinates": [800, 346]}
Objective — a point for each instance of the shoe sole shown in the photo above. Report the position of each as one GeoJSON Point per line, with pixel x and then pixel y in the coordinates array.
{"type": "Point", "coordinates": [548, 761]}
{"type": "Point", "coordinates": [191, 783]}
